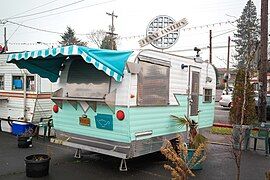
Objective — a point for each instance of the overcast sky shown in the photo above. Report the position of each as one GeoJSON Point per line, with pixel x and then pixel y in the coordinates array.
{"type": "Point", "coordinates": [133, 18]}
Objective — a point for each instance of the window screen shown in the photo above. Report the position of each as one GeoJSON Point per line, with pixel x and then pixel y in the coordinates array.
{"type": "Point", "coordinates": [84, 80]}
{"type": "Point", "coordinates": [153, 84]}
{"type": "Point", "coordinates": [208, 95]}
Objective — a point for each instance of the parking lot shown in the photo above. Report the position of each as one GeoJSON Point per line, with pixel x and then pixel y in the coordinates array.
{"type": "Point", "coordinates": [218, 165]}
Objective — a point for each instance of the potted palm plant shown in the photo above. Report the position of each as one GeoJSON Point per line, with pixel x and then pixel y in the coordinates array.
{"type": "Point", "coordinates": [195, 139]}
{"type": "Point", "coordinates": [180, 163]}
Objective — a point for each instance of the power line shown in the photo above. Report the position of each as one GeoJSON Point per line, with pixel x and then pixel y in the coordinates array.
{"type": "Point", "coordinates": [127, 37]}
{"type": "Point", "coordinates": [224, 33]}
{"type": "Point", "coordinates": [38, 29]}
{"type": "Point", "coordinates": [192, 28]}
{"type": "Point", "coordinates": [105, 2]}
{"type": "Point", "coordinates": [42, 12]}
{"type": "Point", "coordinates": [203, 48]}
{"type": "Point", "coordinates": [31, 9]}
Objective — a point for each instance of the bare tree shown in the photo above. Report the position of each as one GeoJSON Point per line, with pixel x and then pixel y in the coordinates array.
{"type": "Point", "coordinates": [97, 36]}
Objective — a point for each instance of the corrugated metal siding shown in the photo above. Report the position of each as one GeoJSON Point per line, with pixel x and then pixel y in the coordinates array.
{"type": "Point", "coordinates": [122, 93]}
{"type": "Point", "coordinates": [67, 120]}
{"type": "Point", "coordinates": [45, 85]}
{"type": "Point", "coordinates": [14, 108]}
{"type": "Point", "coordinates": [3, 109]}
{"type": "Point", "coordinates": [157, 119]}
{"type": "Point", "coordinates": [208, 70]}
{"type": "Point", "coordinates": [207, 113]}
{"type": "Point", "coordinates": [178, 82]}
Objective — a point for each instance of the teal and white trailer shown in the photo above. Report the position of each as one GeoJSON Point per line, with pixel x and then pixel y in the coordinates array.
{"type": "Point", "coordinates": [120, 103]}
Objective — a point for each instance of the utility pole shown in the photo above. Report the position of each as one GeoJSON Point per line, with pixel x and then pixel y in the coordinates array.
{"type": "Point", "coordinates": [264, 61]}
{"type": "Point", "coordinates": [111, 33]}
{"type": "Point", "coordinates": [5, 39]}
{"type": "Point", "coordinates": [228, 61]}
{"type": "Point", "coordinates": [210, 46]}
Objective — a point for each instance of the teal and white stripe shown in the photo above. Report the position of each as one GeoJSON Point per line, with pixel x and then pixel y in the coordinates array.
{"type": "Point", "coordinates": [84, 52]}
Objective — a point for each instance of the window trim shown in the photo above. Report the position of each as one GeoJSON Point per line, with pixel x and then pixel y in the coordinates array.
{"type": "Point", "coordinates": [35, 83]}
{"type": "Point", "coordinates": [12, 76]}
{"type": "Point", "coordinates": [204, 95]}
{"type": "Point", "coordinates": [154, 61]}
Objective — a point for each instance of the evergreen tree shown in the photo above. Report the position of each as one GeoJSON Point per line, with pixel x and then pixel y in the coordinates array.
{"type": "Point", "coordinates": [237, 100]}
{"type": "Point", "coordinates": [247, 35]}
{"type": "Point", "coordinates": [68, 38]}
{"type": "Point", "coordinates": [108, 43]}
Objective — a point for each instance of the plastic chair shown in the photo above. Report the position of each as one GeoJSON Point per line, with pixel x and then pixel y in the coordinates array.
{"type": "Point", "coordinates": [263, 134]}
{"type": "Point", "coordinates": [46, 124]}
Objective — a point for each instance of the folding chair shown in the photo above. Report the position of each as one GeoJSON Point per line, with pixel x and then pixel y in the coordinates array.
{"type": "Point", "coordinates": [262, 134]}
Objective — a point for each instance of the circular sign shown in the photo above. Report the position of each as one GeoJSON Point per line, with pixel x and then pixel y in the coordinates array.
{"type": "Point", "coordinates": [159, 23]}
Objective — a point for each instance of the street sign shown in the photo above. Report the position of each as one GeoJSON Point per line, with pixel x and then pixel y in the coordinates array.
{"type": "Point", "coordinates": [162, 32]}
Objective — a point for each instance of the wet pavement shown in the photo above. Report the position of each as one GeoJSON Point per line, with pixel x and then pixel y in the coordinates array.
{"type": "Point", "coordinates": [218, 165]}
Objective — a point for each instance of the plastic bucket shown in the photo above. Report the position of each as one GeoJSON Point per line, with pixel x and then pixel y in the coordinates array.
{"type": "Point", "coordinates": [37, 165]}
{"type": "Point", "coordinates": [18, 128]}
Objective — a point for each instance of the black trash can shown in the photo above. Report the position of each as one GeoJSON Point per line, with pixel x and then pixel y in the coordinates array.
{"type": "Point", "coordinates": [24, 142]}
{"type": "Point", "coordinates": [37, 165]}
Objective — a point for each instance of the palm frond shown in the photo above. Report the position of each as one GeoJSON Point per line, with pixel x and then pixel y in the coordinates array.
{"type": "Point", "coordinates": [181, 121]}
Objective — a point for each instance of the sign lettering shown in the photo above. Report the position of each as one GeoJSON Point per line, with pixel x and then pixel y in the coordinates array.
{"type": "Point", "coordinates": [163, 32]}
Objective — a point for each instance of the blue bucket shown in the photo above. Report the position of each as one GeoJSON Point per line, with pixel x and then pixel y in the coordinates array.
{"type": "Point", "coordinates": [18, 128]}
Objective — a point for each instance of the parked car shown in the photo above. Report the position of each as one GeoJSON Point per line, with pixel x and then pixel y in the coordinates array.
{"type": "Point", "coordinates": [226, 100]}
{"type": "Point", "coordinates": [230, 90]}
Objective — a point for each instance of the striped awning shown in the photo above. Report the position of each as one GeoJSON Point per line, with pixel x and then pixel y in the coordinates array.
{"type": "Point", "coordinates": [48, 62]}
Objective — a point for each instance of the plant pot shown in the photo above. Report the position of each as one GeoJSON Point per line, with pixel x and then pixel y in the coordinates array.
{"type": "Point", "coordinates": [24, 142]}
{"type": "Point", "coordinates": [236, 136]}
{"type": "Point", "coordinates": [37, 165]}
{"type": "Point", "coordinates": [190, 155]}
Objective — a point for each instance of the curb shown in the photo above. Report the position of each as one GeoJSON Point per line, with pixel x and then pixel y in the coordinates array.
{"type": "Point", "coordinates": [222, 125]}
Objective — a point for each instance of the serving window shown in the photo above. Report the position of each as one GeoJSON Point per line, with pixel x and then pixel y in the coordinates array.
{"type": "Point", "coordinates": [85, 81]}
{"type": "Point", "coordinates": [153, 82]}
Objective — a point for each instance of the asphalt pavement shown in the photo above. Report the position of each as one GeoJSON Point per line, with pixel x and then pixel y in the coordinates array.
{"type": "Point", "coordinates": [219, 164]}
{"type": "Point", "coordinates": [221, 114]}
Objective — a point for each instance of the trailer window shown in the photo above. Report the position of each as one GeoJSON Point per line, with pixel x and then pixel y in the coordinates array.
{"type": "Point", "coordinates": [153, 84]}
{"type": "Point", "coordinates": [208, 95]}
{"type": "Point", "coordinates": [30, 83]}
{"type": "Point", "coordinates": [17, 82]}
{"type": "Point", "coordinates": [2, 82]}
{"type": "Point", "coordinates": [84, 80]}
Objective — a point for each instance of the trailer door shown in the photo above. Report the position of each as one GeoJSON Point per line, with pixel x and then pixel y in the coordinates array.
{"type": "Point", "coordinates": [194, 92]}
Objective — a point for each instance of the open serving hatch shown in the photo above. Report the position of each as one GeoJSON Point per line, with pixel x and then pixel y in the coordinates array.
{"type": "Point", "coordinates": [85, 73]}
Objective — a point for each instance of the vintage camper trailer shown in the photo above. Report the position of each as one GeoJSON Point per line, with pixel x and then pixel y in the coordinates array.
{"type": "Point", "coordinates": [120, 103]}
{"type": "Point", "coordinates": [19, 103]}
